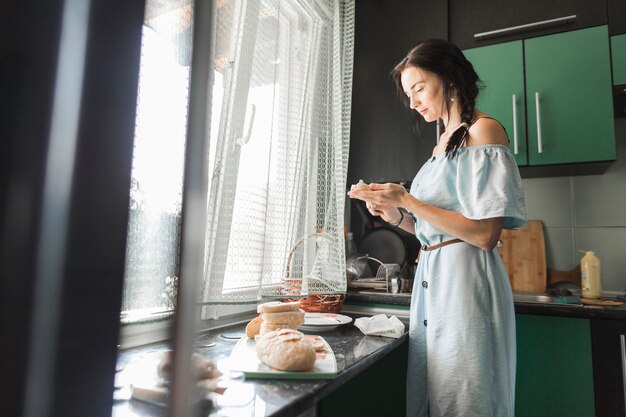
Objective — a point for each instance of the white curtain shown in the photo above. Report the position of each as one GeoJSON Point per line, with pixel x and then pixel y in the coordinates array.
{"type": "Point", "coordinates": [278, 149]}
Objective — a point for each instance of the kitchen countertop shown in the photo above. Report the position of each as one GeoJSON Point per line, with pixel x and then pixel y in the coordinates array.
{"type": "Point", "coordinates": [546, 309]}
{"type": "Point", "coordinates": [354, 352]}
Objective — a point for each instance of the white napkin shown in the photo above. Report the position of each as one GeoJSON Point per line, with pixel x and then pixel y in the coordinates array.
{"type": "Point", "coordinates": [380, 325]}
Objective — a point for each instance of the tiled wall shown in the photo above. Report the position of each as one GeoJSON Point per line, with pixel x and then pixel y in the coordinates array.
{"type": "Point", "coordinates": [585, 213]}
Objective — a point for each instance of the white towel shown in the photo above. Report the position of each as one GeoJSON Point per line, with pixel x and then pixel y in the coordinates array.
{"type": "Point", "coordinates": [380, 325]}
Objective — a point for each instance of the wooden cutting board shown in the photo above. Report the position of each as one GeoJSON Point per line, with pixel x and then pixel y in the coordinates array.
{"type": "Point", "coordinates": [524, 255]}
{"type": "Point", "coordinates": [601, 302]}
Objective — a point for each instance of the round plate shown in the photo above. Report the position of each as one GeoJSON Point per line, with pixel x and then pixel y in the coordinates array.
{"type": "Point", "coordinates": [322, 322]}
{"type": "Point", "coordinates": [385, 245]}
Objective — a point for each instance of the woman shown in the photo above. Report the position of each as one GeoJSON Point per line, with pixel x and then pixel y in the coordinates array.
{"type": "Point", "coordinates": [462, 330]}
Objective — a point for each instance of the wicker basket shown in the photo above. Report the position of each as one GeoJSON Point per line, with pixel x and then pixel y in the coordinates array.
{"type": "Point", "coordinates": [314, 303]}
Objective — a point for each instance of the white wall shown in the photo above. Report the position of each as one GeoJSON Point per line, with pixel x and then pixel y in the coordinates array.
{"type": "Point", "coordinates": [585, 213]}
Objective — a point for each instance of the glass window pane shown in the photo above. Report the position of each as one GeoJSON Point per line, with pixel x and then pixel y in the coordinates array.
{"type": "Point", "coordinates": [152, 254]}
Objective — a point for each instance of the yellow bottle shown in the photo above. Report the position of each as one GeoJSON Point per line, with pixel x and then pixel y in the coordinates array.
{"type": "Point", "coordinates": [590, 275]}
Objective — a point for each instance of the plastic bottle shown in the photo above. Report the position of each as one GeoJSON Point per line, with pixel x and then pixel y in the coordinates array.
{"type": "Point", "coordinates": [590, 275]}
{"type": "Point", "coordinates": [350, 246]}
{"type": "Point", "coordinates": [352, 270]}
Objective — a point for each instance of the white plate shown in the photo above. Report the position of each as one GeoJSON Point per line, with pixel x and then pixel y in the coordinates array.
{"type": "Point", "coordinates": [322, 322]}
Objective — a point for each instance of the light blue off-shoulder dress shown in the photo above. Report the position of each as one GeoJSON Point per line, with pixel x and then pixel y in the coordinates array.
{"type": "Point", "coordinates": [462, 330]}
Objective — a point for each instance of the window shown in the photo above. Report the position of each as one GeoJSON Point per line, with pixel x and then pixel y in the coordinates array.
{"type": "Point", "coordinates": [156, 185]}
{"type": "Point", "coordinates": [277, 158]}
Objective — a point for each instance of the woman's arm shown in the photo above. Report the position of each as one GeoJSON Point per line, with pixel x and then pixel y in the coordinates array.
{"type": "Point", "coordinates": [481, 233]}
{"type": "Point", "coordinates": [392, 215]}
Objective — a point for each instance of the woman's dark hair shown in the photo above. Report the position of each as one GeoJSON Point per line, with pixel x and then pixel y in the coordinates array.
{"type": "Point", "coordinates": [445, 60]}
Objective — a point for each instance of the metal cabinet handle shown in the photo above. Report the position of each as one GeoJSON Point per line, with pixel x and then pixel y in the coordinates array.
{"type": "Point", "coordinates": [527, 26]}
{"type": "Point", "coordinates": [538, 112]}
{"type": "Point", "coordinates": [515, 149]}
{"type": "Point", "coordinates": [622, 339]}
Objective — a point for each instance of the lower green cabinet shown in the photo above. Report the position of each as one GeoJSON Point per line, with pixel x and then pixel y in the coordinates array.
{"type": "Point", "coordinates": [554, 367]}
{"type": "Point", "coordinates": [380, 390]}
{"type": "Point", "coordinates": [555, 376]}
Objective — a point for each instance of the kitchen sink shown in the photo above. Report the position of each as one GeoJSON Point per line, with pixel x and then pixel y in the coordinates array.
{"type": "Point", "coordinates": [544, 298]}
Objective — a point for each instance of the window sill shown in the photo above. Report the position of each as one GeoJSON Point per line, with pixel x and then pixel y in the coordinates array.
{"type": "Point", "coordinates": [158, 327]}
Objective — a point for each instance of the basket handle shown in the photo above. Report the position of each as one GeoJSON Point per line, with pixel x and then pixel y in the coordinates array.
{"type": "Point", "coordinates": [298, 243]}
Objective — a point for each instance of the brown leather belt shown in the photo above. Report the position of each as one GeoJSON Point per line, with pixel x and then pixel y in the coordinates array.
{"type": "Point", "coordinates": [437, 246]}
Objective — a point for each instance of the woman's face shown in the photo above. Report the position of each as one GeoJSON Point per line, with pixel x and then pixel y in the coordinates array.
{"type": "Point", "coordinates": [425, 92]}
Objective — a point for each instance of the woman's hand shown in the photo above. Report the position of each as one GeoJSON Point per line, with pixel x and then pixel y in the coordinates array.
{"type": "Point", "coordinates": [390, 214]}
{"type": "Point", "coordinates": [382, 200]}
{"type": "Point", "coordinates": [381, 195]}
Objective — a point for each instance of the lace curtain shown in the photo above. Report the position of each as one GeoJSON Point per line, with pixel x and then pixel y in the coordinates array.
{"type": "Point", "coordinates": [278, 150]}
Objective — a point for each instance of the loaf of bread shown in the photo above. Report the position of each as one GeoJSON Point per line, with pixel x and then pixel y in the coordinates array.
{"type": "Point", "coordinates": [265, 327]}
{"type": "Point", "coordinates": [290, 319]}
{"type": "Point", "coordinates": [278, 307]}
{"type": "Point", "coordinates": [254, 327]}
{"type": "Point", "coordinates": [317, 342]}
{"type": "Point", "coordinates": [201, 368]}
{"type": "Point", "coordinates": [281, 320]}
{"type": "Point", "coordinates": [275, 315]}
{"type": "Point", "coordinates": [285, 350]}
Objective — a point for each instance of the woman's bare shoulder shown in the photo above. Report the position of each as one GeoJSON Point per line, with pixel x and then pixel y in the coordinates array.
{"type": "Point", "coordinates": [487, 131]}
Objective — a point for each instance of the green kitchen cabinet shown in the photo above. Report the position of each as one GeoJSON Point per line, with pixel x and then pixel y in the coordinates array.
{"type": "Point", "coordinates": [554, 367]}
{"type": "Point", "coordinates": [618, 54]}
{"type": "Point", "coordinates": [501, 69]}
{"type": "Point", "coordinates": [380, 390]}
{"type": "Point", "coordinates": [566, 104]}
{"type": "Point", "coordinates": [569, 95]}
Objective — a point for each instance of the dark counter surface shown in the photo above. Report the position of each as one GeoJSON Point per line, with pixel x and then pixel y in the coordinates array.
{"type": "Point", "coordinates": [572, 310]}
{"type": "Point", "coordinates": [546, 309]}
{"type": "Point", "coordinates": [354, 352]}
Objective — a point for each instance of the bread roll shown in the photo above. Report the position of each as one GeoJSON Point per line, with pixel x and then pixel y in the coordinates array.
{"type": "Point", "coordinates": [291, 319]}
{"type": "Point", "coordinates": [317, 342]}
{"type": "Point", "coordinates": [265, 327]}
{"type": "Point", "coordinates": [201, 368]}
{"type": "Point", "coordinates": [277, 307]}
{"type": "Point", "coordinates": [254, 327]}
{"type": "Point", "coordinates": [285, 350]}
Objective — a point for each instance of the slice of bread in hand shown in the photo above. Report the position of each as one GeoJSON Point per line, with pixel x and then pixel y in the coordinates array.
{"type": "Point", "coordinates": [277, 307]}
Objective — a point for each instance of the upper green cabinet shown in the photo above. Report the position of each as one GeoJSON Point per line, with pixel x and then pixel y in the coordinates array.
{"type": "Point", "coordinates": [569, 97]}
{"type": "Point", "coordinates": [501, 68]}
{"type": "Point", "coordinates": [564, 101]}
{"type": "Point", "coordinates": [618, 52]}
